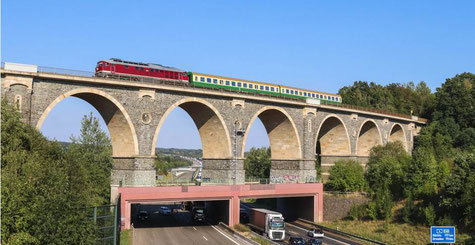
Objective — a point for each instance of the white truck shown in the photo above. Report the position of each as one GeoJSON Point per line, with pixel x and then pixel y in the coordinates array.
{"type": "Point", "coordinates": [269, 223]}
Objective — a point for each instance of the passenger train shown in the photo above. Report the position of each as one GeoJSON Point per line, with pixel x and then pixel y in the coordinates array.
{"type": "Point", "coordinates": [117, 67]}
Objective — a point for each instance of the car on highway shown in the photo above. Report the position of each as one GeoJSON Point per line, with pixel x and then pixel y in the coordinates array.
{"type": "Point", "coordinates": [143, 215]}
{"type": "Point", "coordinates": [165, 210]}
{"type": "Point", "coordinates": [296, 241]}
{"type": "Point", "coordinates": [318, 233]}
{"type": "Point", "coordinates": [314, 241]}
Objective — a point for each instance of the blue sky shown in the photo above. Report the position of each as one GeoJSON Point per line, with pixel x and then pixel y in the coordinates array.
{"type": "Point", "coordinates": [321, 45]}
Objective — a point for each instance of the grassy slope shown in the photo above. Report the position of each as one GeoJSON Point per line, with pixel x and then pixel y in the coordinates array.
{"type": "Point", "coordinates": [126, 237]}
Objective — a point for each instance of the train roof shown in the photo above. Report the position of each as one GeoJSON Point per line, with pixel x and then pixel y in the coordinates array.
{"type": "Point", "coordinates": [271, 84]}
{"type": "Point", "coordinates": [140, 64]}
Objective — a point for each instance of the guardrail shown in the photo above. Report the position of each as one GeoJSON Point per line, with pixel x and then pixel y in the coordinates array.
{"type": "Point", "coordinates": [62, 71]}
{"type": "Point", "coordinates": [340, 232]}
{"type": "Point", "coordinates": [249, 181]}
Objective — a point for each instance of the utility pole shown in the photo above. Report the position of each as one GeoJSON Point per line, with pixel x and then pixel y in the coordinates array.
{"type": "Point", "coordinates": [237, 131]}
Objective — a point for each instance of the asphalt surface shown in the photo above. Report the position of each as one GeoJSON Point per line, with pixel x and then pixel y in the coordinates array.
{"type": "Point", "coordinates": [177, 228]}
{"type": "Point", "coordinates": [292, 229]}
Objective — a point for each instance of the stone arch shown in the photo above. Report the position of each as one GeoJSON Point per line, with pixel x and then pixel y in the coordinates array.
{"type": "Point", "coordinates": [332, 137]}
{"type": "Point", "coordinates": [397, 133]}
{"type": "Point", "coordinates": [283, 135]}
{"type": "Point", "coordinates": [121, 129]}
{"type": "Point", "coordinates": [213, 132]}
{"type": "Point", "coordinates": [369, 136]}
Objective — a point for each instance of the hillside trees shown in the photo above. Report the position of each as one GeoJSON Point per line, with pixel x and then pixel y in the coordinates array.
{"type": "Point", "coordinates": [91, 152]}
{"type": "Point", "coordinates": [39, 202]}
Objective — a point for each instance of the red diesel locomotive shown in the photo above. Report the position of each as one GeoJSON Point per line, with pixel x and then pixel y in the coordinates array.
{"type": "Point", "coordinates": [121, 68]}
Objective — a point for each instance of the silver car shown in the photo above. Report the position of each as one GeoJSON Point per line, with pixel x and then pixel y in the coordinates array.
{"type": "Point", "coordinates": [317, 233]}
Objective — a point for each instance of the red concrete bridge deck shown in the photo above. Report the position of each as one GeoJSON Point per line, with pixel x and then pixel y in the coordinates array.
{"type": "Point", "coordinates": [302, 200]}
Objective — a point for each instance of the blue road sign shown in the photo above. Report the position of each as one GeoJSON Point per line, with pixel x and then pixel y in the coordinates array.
{"type": "Point", "coordinates": [442, 234]}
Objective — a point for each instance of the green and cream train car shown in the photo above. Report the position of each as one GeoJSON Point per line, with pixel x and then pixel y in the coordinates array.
{"type": "Point", "coordinates": [213, 81]}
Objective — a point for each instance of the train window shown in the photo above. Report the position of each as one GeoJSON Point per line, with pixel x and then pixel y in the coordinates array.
{"type": "Point", "coordinates": [336, 99]}
{"type": "Point", "coordinates": [267, 88]}
{"type": "Point", "coordinates": [215, 81]}
{"type": "Point", "coordinates": [272, 89]}
{"type": "Point", "coordinates": [287, 91]}
{"type": "Point", "coordinates": [261, 87]}
{"type": "Point", "coordinates": [106, 64]}
{"type": "Point", "coordinates": [325, 97]}
{"type": "Point", "coordinates": [136, 68]}
{"type": "Point", "coordinates": [291, 92]}
{"type": "Point", "coordinates": [141, 68]}
{"type": "Point", "coordinates": [244, 85]}
{"type": "Point", "coordinates": [196, 78]}
{"type": "Point", "coordinates": [221, 82]}
{"type": "Point", "coordinates": [202, 79]}
{"type": "Point", "coordinates": [126, 67]}
{"type": "Point", "coordinates": [227, 82]}
{"type": "Point", "coordinates": [321, 96]}
{"type": "Point", "coordinates": [233, 84]}
{"type": "Point", "coordinates": [250, 85]}
{"type": "Point", "coordinates": [208, 79]}
{"type": "Point", "coordinates": [305, 93]}
{"type": "Point", "coordinates": [333, 98]}
{"type": "Point", "coordinates": [239, 84]}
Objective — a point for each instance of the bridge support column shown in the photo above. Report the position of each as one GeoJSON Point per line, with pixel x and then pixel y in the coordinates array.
{"type": "Point", "coordinates": [138, 171]}
{"type": "Point", "coordinates": [225, 171]}
{"type": "Point", "coordinates": [292, 171]}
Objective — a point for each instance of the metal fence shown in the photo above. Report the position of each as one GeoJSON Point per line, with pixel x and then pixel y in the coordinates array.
{"type": "Point", "coordinates": [107, 220]}
{"type": "Point", "coordinates": [247, 181]}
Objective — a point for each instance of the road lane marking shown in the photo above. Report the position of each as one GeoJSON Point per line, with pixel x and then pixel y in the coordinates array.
{"type": "Point", "coordinates": [222, 233]}
{"type": "Point", "coordinates": [205, 238]}
{"type": "Point", "coordinates": [194, 228]}
{"type": "Point", "coordinates": [325, 236]}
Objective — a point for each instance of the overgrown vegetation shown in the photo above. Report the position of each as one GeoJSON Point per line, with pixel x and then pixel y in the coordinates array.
{"type": "Point", "coordinates": [346, 176]}
{"type": "Point", "coordinates": [437, 183]}
{"type": "Point", "coordinates": [46, 189]}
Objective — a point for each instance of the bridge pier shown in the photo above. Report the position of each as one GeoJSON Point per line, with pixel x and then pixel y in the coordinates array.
{"type": "Point", "coordinates": [132, 171]}
{"type": "Point", "coordinates": [292, 171]}
{"type": "Point", "coordinates": [225, 171]}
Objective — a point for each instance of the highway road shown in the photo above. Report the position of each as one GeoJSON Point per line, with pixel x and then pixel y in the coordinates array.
{"type": "Point", "coordinates": [294, 229]}
{"type": "Point", "coordinates": [177, 228]}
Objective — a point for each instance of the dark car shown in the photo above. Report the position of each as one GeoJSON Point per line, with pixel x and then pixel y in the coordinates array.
{"type": "Point", "coordinates": [296, 240]}
{"type": "Point", "coordinates": [313, 241]}
{"type": "Point", "coordinates": [143, 215]}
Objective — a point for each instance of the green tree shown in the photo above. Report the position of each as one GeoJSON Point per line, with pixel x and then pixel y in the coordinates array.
{"type": "Point", "coordinates": [91, 153]}
{"type": "Point", "coordinates": [458, 196]}
{"type": "Point", "coordinates": [456, 99]}
{"type": "Point", "coordinates": [422, 173]}
{"type": "Point", "coordinates": [386, 168]}
{"type": "Point", "coordinates": [257, 163]}
{"type": "Point", "coordinates": [38, 203]}
{"type": "Point", "coordinates": [346, 176]}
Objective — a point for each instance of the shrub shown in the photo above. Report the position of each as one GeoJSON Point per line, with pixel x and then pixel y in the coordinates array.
{"type": "Point", "coordinates": [346, 176]}
{"type": "Point", "coordinates": [358, 211]}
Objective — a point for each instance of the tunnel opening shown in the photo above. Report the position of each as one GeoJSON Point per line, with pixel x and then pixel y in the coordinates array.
{"type": "Point", "coordinates": [179, 213]}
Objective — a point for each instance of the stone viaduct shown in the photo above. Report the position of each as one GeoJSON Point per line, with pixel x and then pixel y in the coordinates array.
{"type": "Point", "coordinates": [134, 112]}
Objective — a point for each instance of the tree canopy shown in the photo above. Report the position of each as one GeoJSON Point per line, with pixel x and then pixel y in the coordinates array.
{"type": "Point", "coordinates": [39, 203]}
